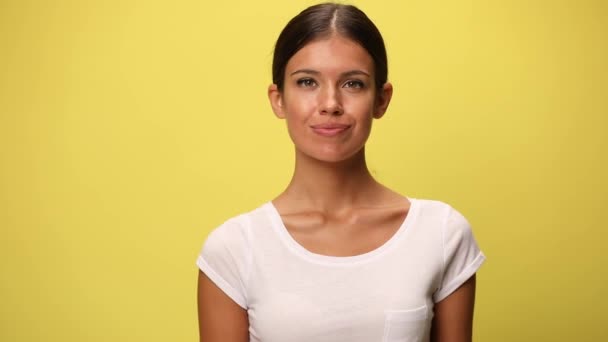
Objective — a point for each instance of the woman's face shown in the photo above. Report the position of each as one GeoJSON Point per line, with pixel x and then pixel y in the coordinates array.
{"type": "Point", "coordinates": [329, 98]}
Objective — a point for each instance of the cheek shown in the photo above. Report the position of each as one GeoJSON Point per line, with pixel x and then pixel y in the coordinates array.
{"type": "Point", "coordinates": [365, 127]}
{"type": "Point", "coordinates": [362, 108]}
{"type": "Point", "coordinates": [299, 109]}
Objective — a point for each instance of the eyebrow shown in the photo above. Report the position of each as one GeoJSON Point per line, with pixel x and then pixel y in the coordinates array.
{"type": "Point", "coordinates": [344, 74]}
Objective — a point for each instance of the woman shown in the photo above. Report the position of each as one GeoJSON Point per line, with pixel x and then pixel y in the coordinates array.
{"type": "Point", "coordinates": [337, 256]}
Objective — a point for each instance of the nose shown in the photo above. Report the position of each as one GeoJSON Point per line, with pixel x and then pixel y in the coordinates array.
{"type": "Point", "coordinates": [330, 102]}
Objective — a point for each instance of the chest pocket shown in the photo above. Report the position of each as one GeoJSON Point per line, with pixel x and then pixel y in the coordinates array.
{"type": "Point", "coordinates": [405, 325]}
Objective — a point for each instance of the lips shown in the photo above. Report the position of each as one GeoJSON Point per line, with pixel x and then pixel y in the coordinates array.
{"type": "Point", "coordinates": [329, 129]}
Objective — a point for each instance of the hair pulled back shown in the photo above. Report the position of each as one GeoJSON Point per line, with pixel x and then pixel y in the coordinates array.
{"type": "Point", "coordinates": [321, 21]}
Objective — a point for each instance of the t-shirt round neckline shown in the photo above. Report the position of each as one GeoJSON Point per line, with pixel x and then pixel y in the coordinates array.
{"type": "Point", "coordinates": [295, 247]}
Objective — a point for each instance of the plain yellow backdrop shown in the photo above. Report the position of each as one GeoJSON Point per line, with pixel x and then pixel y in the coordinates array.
{"type": "Point", "coordinates": [130, 129]}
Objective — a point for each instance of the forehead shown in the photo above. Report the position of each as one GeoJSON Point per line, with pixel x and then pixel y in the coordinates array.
{"type": "Point", "coordinates": [333, 54]}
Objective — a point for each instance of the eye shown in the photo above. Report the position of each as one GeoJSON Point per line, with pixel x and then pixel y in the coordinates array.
{"type": "Point", "coordinates": [356, 84]}
{"type": "Point", "coordinates": [306, 82]}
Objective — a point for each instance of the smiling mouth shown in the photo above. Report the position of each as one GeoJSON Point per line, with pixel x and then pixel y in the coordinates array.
{"type": "Point", "coordinates": [330, 130]}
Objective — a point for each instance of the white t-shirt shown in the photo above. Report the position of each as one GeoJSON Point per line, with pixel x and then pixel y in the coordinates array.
{"type": "Point", "coordinates": [387, 294]}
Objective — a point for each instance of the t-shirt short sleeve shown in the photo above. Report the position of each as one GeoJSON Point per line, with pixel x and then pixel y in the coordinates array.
{"type": "Point", "coordinates": [225, 259]}
{"type": "Point", "coordinates": [461, 254]}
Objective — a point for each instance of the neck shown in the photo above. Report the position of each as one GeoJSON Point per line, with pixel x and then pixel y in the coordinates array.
{"type": "Point", "coordinates": [332, 187]}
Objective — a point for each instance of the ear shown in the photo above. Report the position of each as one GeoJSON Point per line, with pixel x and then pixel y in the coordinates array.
{"type": "Point", "coordinates": [276, 101]}
{"type": "Point", "coordinates": [383, 100]}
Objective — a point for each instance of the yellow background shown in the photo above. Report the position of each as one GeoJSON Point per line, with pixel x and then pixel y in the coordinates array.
{"type": "Point", "coordinates": [129, 129]}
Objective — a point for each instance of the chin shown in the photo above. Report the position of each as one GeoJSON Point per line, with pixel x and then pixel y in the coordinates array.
{"type": "Point", "coordinates": [333, 156]}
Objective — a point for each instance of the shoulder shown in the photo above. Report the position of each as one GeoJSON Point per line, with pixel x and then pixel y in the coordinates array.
{"type": "Point", "coordinates": [226, 257]}
{"type": "Point", "coordinates": [460, 254]}
{"type": "Point", "coordinates": [448, 224]}
{"type": "Point", "coordinates": [439, 211]}
{"type": "Point", "coordinates": [234, 226]}
{"type": "Point", "coordinates": [237, 231]}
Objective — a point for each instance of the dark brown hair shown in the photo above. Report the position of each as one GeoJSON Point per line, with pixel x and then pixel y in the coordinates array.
{"type": "Point", "coordinates": [320, 21]}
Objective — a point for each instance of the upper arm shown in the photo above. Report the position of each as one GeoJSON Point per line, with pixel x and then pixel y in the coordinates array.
{"type": "Point", "coordinates": [220, 318]}
{"type": "Point", "coordinates": [453, 319]}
